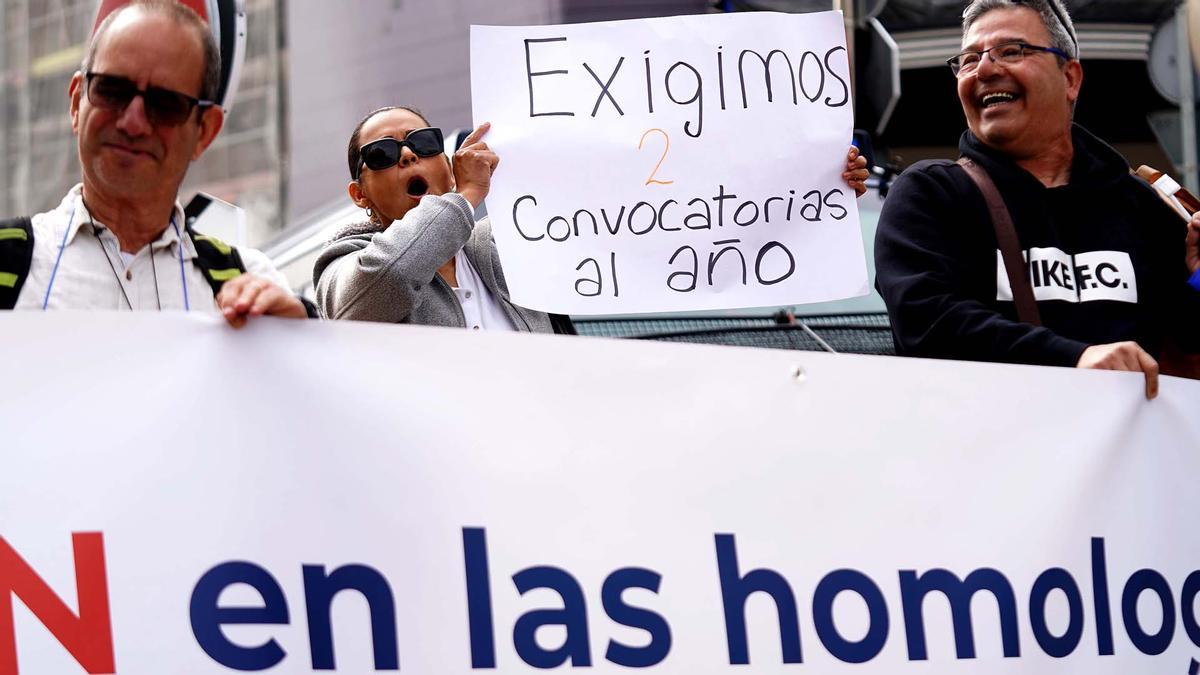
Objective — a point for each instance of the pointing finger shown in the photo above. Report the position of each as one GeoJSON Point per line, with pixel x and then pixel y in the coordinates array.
{"type": "Point", "coordinates": [477, 134]}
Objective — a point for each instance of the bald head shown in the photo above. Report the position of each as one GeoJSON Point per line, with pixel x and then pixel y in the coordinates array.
{"type": "Point", "coordinates": [179, 14]}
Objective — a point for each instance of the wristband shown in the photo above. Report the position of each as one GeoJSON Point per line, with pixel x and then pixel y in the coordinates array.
{"type": "Point", "coordinates": [1194, 281]}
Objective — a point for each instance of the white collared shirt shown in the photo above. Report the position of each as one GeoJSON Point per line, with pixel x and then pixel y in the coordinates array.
{"type": "Point", "coordinates": [93, 273]}
{"type": "Point", "coordinates": [479, 306]}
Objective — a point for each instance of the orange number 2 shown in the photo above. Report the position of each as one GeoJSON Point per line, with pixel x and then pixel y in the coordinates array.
{"type": "Point", "coordinates": [666, 146]}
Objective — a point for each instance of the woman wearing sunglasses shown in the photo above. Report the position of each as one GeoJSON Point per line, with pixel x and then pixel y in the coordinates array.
{"type": "Point", "coordinates": [436, 266]}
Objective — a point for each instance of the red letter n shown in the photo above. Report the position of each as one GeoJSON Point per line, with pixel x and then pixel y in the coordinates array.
{"type": "Point", "coordinates": [88, 637]}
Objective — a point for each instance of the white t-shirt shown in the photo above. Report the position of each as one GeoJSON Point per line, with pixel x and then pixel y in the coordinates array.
{"type": "Point", "coordinates": [479, 306]}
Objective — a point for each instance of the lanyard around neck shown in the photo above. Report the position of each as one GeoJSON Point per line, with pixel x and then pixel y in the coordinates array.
{"type": "Point", "coordinates": [63, 245]}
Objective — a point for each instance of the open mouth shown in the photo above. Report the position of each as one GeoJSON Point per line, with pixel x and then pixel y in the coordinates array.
{"type": "Point", "coordinates": [995, 98]}
{"type": "Point", "coordinates": [417, 187]}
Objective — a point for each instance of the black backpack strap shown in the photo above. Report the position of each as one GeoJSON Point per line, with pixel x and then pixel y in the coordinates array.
{"type": "Point", "coordinates": [218, 262]}
{"type": "Point", "coordinates": [562, 324]}
{"type": "Point", "coordinates": [16, 255]}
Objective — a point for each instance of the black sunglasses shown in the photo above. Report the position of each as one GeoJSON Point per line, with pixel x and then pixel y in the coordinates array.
{"type": "Point", "coordinates": [385, 152]}
{"type": "Point", "coordinates": [164, 107]}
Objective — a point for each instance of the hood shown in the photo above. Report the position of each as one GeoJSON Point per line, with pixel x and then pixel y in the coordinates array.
{"type": "Point", "coordinates": [353, 229]}
{"type": "Point", "coordinates": [1095, 165]}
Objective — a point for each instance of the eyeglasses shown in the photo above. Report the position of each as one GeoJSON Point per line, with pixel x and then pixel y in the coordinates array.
{"type": "Point", "coordinates": [164, 107]}
{"type": "Point", "coordinates": [1008, 53]}
{"type": "Point", "coordinates": [385, 152]}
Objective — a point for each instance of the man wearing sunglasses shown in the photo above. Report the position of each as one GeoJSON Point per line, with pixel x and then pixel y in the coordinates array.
{"type": "Point", "coordinates": [1106, 260]}
{"type": "Point", "coordinates": [142, 109]}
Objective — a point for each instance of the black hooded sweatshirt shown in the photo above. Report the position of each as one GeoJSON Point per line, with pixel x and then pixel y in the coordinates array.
{"type": "Point", "coordinates": [1106, 261]}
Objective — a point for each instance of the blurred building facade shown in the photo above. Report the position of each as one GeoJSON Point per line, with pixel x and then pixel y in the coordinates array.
{"type": "Point", "coordinates": [41, 46]}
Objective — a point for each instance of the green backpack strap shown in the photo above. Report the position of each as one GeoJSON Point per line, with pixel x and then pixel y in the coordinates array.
{"type": "Point", "coordinates": [16, 255]}
{"type": "Point", "coordinates": [218, 262]}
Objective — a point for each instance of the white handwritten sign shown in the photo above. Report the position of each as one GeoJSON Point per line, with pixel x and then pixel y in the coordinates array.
{"type": "Point", "coordinates": [681, 163]}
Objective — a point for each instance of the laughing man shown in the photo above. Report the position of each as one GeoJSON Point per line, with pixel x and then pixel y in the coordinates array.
{"type": "Point", "coordinates": [1107, 259]}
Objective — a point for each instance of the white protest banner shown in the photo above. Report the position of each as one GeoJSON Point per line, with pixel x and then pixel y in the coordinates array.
{"type": "Point", "coordinates": [681, 163]}
{"type": "Point", "coordinates": [179, 497]}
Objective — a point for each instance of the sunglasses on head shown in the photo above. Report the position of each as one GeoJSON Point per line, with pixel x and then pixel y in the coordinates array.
{"type": "Point", "coordinates": [385, 152]}
{"type": "Point", "coordinates": [1062, 21]}
{"type": "Point", "coordinates": [164, 107]}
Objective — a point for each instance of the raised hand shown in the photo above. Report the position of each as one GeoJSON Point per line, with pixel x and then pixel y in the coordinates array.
{"type": "Point", "coordinates": [474, 164]}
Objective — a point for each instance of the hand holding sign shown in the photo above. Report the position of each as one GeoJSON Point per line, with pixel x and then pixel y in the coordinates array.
{"type": "Point", "coordinates": [1193, 245]}
{"type": "Point", "coordinates": [474, 164]}
{"type": "Point", "coordinates": [856, 172]}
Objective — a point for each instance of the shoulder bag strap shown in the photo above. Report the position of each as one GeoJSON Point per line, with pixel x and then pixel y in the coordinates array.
{"type": "Point", "coordinates": [1010, 247]}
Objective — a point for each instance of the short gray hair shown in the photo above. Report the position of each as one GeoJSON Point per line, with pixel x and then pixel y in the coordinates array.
{"type": "Point", "coordinates": [181, 15]}
{"type": "Point", "coordinates": [1053, 14]}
